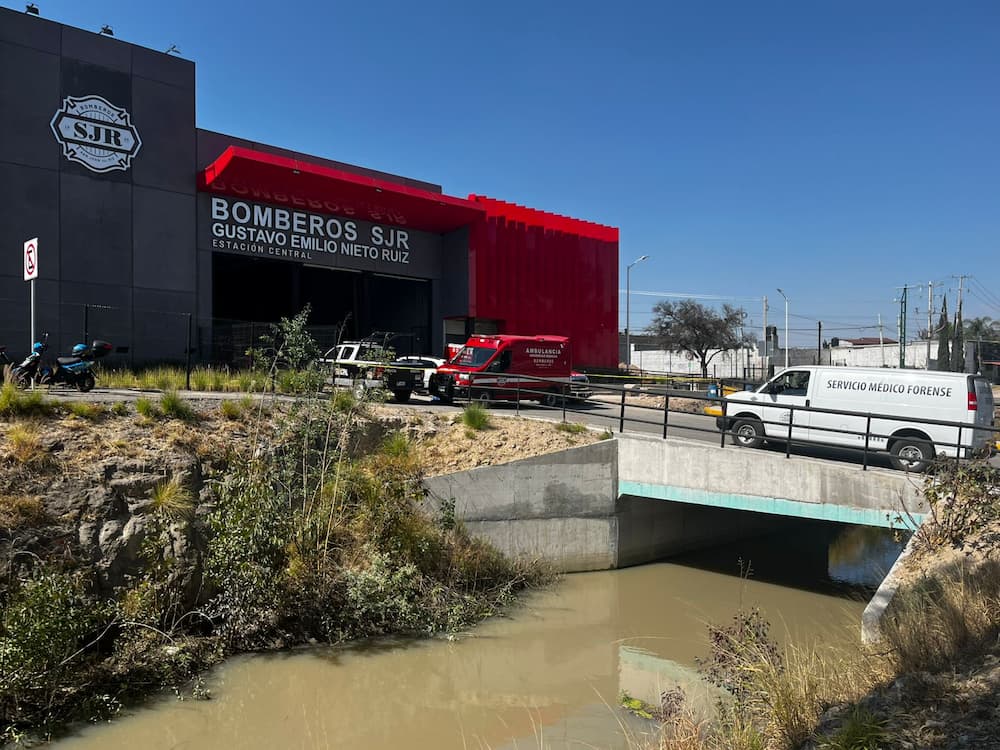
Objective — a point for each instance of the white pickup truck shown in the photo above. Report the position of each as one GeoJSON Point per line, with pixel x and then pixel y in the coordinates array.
{"type": "Point", "coordinates": [365, 365]}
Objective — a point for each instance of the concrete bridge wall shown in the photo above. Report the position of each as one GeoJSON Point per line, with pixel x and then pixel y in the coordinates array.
{"type": "Point", "coordinates": [765, 482]}
{"type": "Point", "coordinates": [603, 505]}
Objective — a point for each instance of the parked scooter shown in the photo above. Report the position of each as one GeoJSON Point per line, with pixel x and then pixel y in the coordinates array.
{"type": "Point", "coordinates": [5, 362]}
{"type": "Point", "coordinates": [76, 370]}
{"type": "Point", "coordinates": [29, 371]}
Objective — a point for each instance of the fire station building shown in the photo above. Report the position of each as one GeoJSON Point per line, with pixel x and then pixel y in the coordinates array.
{"type": "Point", "coordinates": [153, 233]}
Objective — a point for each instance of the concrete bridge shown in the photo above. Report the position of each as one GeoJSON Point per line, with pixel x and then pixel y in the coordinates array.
{"type": "Point", "coordinates": [637, 498]}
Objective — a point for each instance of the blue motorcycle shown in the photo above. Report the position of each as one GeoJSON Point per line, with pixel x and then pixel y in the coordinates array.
{"type": "Point", "coordinates": [77, 370]}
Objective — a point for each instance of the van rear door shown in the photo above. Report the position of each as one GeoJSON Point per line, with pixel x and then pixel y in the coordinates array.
{"type": "Point", "coordinates": [981, 398]}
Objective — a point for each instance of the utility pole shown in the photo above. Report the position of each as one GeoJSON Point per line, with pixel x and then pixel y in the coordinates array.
{"type": "Point", "coordinates": [930, 323]}
{"type": "Point", "coordinates": [819, 342]}
{"type": "Point", "coordinates": [766, 347]}
{"type": "Point", "coordinates": [902, 328]}
{"type": "Point", "coordinates": [881, 339]}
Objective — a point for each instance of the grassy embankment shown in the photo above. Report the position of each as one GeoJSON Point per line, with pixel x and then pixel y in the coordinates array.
{"type": "Point", "coordinates": [944, 622]}
{"type": "Point", "coordinates": [305, 540]}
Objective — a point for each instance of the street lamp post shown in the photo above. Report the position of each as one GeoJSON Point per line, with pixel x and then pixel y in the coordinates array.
{"type": "Point", "coordinates": [628, 310]}
{"type": "Point", "coordinates": [786, 327]}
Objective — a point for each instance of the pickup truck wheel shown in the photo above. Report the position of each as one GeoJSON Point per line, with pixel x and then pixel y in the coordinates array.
{"type": "Point", "coordinates": [359, 391]}
{"type": "Point", "coordinates": [748, 433]}
{"type": "Point", "coordinates": [401, 396]}
{"type": "Point", "coordinates": [911, 454]}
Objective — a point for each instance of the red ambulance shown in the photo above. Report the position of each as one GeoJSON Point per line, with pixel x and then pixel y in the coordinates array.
{"type": "Point", "coordinates": [507, 368]}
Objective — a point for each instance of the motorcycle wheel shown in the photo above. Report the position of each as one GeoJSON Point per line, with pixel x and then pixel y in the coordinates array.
{"type": "Point", "coordinates": [20, 379]}
{"type": "Point", "coordinates": [86, 383]}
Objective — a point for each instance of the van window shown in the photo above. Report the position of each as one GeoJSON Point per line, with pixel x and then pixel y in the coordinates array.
{"type": "Point", "coordinates": [794, 383]}
{"type": "Point", "coordinates": [473, 356]}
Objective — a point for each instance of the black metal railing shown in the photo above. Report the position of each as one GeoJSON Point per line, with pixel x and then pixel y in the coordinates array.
{"type": "Point", "coordinates": [647, 418]}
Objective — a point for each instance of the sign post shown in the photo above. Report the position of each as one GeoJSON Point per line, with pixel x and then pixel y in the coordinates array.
{"type": "Point", "coordinates": [30, 274]}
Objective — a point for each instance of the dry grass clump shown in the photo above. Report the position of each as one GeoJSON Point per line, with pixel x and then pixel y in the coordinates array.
{"type": "Point", "coordinates": [20, 511]}
{"type": "Point", "coordinates": [173, 500]}
{"type": "Point", "coordinates": [24, 445]}
{"type": "Point", "coordinates": [932, 622]}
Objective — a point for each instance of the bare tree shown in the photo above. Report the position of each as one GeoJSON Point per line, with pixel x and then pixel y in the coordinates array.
{"type": "Point", "coordinates": [691, 327]}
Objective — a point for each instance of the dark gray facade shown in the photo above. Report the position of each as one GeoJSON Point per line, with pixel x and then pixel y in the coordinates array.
{"type": "Point", "coordinates": [100, 159]}
{"type": "Point", "coordinates": [123, 239]}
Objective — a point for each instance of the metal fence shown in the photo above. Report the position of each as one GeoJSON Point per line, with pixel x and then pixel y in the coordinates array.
{"type": "Point", "coordinates": [636, 416]}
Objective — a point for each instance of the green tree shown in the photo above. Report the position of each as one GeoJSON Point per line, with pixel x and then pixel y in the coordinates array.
{"type": "Point", "coordinates": [691, 327]}
{"type": "Point", "coordinates": [288, 345]}
{"type": "Point", "coordinates": [958, 343]}
{"type": "Point", "coordinates": [944, 333]}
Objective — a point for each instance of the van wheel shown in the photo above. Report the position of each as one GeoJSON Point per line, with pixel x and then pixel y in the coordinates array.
{"type": "Point", "coordinates": [483, 398]}
{"type": "Point", "coordinates": [551, 399]}
{"type": "Point", "coordinates": [748, 433]}
{"type": "Point", "coordinates": [911, 454]}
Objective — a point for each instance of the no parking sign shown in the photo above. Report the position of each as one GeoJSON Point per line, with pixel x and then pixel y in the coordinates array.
{"type": "Point", "coordinates": [31, 259]}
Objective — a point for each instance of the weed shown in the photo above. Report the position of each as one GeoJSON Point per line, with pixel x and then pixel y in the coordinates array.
{"type": "Point", "coordinates": [201, 379]}
{"type": "Point", "coordinates": [232, 409]}
{"type": "Point", "coordinates": [85, 410]}
{"type": "Point", "coordinates": [120, 409]}
{"type": "Point", "coordinates": [475, 417]}
{"type": "Point", "coordinates": [929, 624]}
{"type": "Point", "coordinates": [13, 403]}
{"type": "Point", "coordinates": [343, 400]}
{"type": "Point", "coordinates": [18, 511]}
{"type": "Point", "coordinates": [146, 408]}
{"type": "Point", "coordinates": [573, 428]}
{"type": "Point", "coordinates": [173, 500]}
{"type": "Point", "coordinates": [25, 445]}
{"type": "Point", "coordinates": [172, 405]}
{"type": "Point", "coordinates": [606, 435]}
{"type": "Point", "coordinates": [396, 445]}
{"type": "Point", "coordinates": [860, 731]}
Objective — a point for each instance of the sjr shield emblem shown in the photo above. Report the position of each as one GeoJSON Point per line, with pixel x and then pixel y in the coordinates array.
{"type": "Point", "coordinates": [96, 133]}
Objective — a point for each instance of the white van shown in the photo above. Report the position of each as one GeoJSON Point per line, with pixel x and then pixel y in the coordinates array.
{"type": "Point", "coordinates": [889, 407]}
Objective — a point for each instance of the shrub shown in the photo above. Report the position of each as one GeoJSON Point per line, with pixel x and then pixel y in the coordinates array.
{"type": "Point", "coordinates": [42, 626]}
{"type": "Point", "coordinates": [172, 405]}
{"type": "Point", "coordinates": [573, 428]}
{"type": "Point", "coordinates": [475, 417]}
{"type": "Point", "coordinates": [120, 409]}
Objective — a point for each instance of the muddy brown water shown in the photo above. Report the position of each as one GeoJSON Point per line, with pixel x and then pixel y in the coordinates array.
{"type": "Point", "coordinates": [546, 676]}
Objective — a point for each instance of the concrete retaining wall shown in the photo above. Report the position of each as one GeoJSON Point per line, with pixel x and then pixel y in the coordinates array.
{"type": "Point", "coordinates": [559, 507]}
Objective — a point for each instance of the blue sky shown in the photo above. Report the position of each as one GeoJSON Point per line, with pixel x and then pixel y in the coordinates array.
{"type": "Point", "coordinates": [837, 150]}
